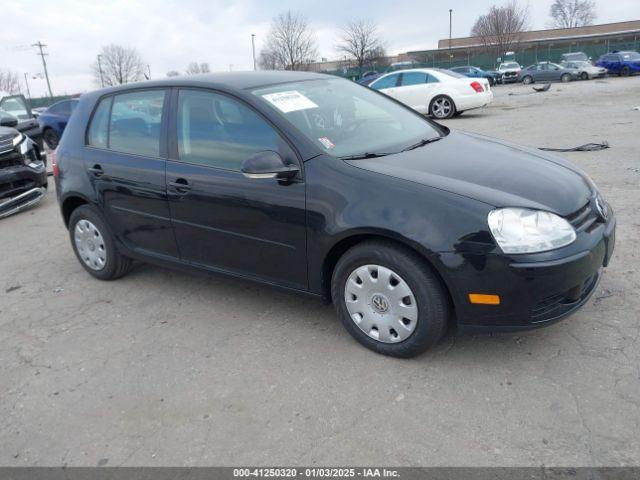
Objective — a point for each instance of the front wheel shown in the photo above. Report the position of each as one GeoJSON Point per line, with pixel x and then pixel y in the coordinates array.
{"type": "Point", "coordinates": [565, 78]}
{"type": "Point", "coordinates": [584, 76]}
{"type": "Point", "coordinates": [625, 71]}
{"type": "Point", "coordinates": [527, 80]}
{"type": "Point", "coordinates": [389, 300]}
{"type": "Point", "coordinates": [94, 245]}
{"type": "Point", "coordinates": [442, 107]}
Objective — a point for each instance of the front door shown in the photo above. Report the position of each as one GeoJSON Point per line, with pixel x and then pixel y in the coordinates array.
{"type": "Point", "coordinates": [223, 220]}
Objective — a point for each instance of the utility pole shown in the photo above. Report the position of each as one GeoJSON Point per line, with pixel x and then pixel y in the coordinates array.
{"type": "Point", "coordinates": [450, 12]}
{"type": "Point", "coordinates": [100, 70]}
{"type": "Point", "coordinates": [27, 84]}
{"type": "Point", "coordinates": [41, 45]}
{"type": "Point", "coordinates": [253, 49]}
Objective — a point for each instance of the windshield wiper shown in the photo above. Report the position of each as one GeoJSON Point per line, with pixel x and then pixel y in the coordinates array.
{"type": "Point", "coordinates": [359, 156]}
{"type": "Point", "coordinates": [421, 143]}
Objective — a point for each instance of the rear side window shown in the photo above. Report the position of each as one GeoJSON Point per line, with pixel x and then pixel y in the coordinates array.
{"type": "Point", "coordinates": [413, 78]}
{"type": "Point", "coordinates": [135, 122]}
{"type": "Point", "coordinates": [99, 129]}
{"type": "Point", "coordinates": [218, 131]}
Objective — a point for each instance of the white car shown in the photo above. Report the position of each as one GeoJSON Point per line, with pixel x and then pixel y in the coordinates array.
{"type": "Point", "coordinates": [436, 92]}
{"type": "Point", "coordinates": [509, 71]}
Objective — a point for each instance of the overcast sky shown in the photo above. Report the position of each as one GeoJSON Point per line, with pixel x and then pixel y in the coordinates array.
{"type": "Point", "coordinates": [171, 33]}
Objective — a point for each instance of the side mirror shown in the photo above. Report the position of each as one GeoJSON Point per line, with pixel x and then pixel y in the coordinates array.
{"type": "Point", "coordinates": [268, 164]}
{"type": "Point", "coordinates": [8, 121]}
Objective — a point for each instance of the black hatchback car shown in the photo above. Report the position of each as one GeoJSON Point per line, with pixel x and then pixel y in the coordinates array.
{"type": "Point", "coordinates": [319, 185]}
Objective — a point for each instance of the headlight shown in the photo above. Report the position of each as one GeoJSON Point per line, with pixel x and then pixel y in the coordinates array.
{"type": "Point", "coordinates": [521, 230]}
{"type": "Point", "coordinates": [17, 139]}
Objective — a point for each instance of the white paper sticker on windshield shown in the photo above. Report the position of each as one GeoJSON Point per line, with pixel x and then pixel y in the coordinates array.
{"type": "Point", "coordinates": [289, 101]}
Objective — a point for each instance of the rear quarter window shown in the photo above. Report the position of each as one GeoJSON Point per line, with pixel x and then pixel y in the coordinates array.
{"type": "Point", "coordinates": [98, 134]}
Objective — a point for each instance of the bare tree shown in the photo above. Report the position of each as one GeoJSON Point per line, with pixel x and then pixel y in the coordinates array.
{"type": "Point", "coordinates": [267, 60]}
{"type": "Point", "coordinates": [195, 68]}
{"type": "Point", "coordinates": [118, 65]}
{"type": "Point", "coordinates": [501, 28]}
{"type": "Point", "coordinates": [173, 73]}
{"type": "Point", "coordinates": [290, 43]}
{"type": "Point", "coordinates": [361, 42]}
{"type": "Point", "coordinates": [9, 82]}
{"type": "Point", "coordinates": [572, 13]}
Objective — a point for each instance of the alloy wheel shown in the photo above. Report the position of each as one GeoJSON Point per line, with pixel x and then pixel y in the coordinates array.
{"type": "Point", "coordinates": [381, 303]}
{"type": "Point", "coordinates": [90, 245]}
{"type": "Point", "coordinates": [441, 107]}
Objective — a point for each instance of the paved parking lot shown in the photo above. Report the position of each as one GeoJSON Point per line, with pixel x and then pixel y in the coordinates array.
{"type": "Point", "coordinates": [166, 368]}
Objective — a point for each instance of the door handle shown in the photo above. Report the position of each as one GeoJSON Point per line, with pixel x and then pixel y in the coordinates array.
{"type": "Point", "coordinates": [96, 170]}
{"type": "Point", "coordinates": [180, 185]}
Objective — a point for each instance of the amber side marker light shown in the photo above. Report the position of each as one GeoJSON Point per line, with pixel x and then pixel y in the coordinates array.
{"type": "Point", "coordinates": [484, 299]}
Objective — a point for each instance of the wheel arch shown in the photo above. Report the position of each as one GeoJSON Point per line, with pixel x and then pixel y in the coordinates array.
{"type": "Point", "coordinates": [70, 203]}
{"type": "Point", "coordinates": [357, 237]}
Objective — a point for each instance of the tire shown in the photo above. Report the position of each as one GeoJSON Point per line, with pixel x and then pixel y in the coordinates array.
{"type": "Point", "coordinates": [51, 138]}
{"type": "Point", "coordinates": [84, 222]}
{"type": "Point", "coordinates": [428, 310]}
{"type": "Point", "coordinates": [527, 79]}
{"type": "Point", "coordinates": [442, 107]}
{"type": "Point", "coordinates": [584, 76]}
{"type": "Point", "coordinates": [565, 77]}
{"type": "Point", "coordinates": [625, 71]}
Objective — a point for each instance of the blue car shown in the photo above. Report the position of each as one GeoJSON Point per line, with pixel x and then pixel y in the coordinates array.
{"type": "Point", "coordinates": [54, 120]}
{"type": "Point", "coordinates": [623, 63]}
{"type": "Point", "coordinates": [475, 72]}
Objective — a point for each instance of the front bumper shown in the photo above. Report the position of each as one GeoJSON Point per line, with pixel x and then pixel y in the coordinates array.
{"type": "Point", "coordinates": [21, 187]}
{"type": "Point", "coordinates": [532, 293]}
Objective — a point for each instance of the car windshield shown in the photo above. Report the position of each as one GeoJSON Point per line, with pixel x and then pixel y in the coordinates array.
{"type": "Point", "coordinates": [631, 56]}
{"type": "Point", "coordinates": [504, 66]}
{"type": "Point", "coordinates": [347, 119]}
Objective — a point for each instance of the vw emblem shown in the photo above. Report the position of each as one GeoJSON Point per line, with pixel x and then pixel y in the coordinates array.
{"type": "Point", "coordinates": [380, 304]}
{"type": "Point", "coordinates": [601, 206]}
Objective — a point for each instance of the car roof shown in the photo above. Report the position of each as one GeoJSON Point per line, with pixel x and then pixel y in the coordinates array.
{"type": "Point", "coordinates": [230, 80]}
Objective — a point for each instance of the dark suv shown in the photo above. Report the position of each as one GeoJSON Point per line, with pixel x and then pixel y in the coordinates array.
{"type": "Point", "coordinates": [318, 185]}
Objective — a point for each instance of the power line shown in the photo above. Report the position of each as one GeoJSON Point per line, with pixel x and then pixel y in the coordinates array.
{"type": "Point", "coordinates": [41, 45]}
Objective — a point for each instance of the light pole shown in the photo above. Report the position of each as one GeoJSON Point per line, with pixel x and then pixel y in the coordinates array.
{"type": "Point", "coordinates": [253, 49]}
{"type": "Point", "coordinates": [450, 12]}
{"type": "Point", "coordinates": [27, 84]}
{"type": "Point", "coordinates": [100, 70]}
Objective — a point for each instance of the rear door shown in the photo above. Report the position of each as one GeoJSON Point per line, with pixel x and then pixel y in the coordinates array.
{"type": "Point", "coordinates": [224, 220]}
{"type": "Point", "coordinates": [414, 90]}
{"type": "Point", "coordinates": [387, 84]}
{"type": "Point", "coordinates": [124, 158]}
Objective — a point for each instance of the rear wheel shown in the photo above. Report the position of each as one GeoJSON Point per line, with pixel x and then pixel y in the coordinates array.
{"type": "Point", "coordinates": [527, 79]}
{"type": "Point", "coordinates": [625, 71]}
{"type": "Point", "coordinates": [565, 77]}
{"type": "Point", "coordinates": [389, 300]}
{"type": "Point", "coordinates": [93, 244]}
{"type": "Point", "coordinates": [442, 107]}
{"type": "Point", "coordinates": [584, 76]}
{"type": "Point", "coordinates": [51, 138]}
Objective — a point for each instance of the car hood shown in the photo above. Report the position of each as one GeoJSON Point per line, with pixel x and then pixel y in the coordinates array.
{"type": "Point", "coordinates": [491, 171]}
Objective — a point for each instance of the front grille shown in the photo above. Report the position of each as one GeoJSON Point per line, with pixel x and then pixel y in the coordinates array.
{"type": "Point", "coordinates": [582, 219]}
{"type": "Point", "coordinates": [11, 189]}
{"type": "Point", "coordinates": [555, 305]}
{"type": "Point", "coordinates": [6, 144]}
{"type": "Point", "coordinates": [11, 159]}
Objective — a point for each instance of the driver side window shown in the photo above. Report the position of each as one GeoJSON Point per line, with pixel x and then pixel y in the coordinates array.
{"type": "Point", "coordinates": [215, 130]}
